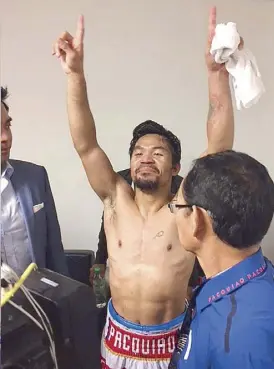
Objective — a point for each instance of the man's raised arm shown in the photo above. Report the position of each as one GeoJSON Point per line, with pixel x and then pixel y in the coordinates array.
{"type": "Point", "coordinates": [220, 123]}
{"type": "Point", "coordinates": [70, 51]}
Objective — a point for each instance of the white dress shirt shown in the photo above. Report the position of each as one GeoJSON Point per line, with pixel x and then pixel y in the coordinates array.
{"type": "Point", "coordinates": [15, 245]}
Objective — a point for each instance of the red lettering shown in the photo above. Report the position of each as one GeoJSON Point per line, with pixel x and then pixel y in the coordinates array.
{"type": "Point", "coordinates": [237, 284]}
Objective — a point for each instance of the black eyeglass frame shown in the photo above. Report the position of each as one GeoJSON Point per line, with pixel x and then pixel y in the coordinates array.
{"type": "Point", "coordinates": [173, 206]}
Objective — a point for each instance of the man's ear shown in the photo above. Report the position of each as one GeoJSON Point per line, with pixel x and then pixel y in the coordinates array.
{"type": "Point", "coordinates": [197, 222]}
{"type": "Point", "coordinates": [176, 169]}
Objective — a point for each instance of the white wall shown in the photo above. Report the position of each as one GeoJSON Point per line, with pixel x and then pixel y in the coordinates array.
{"type": "Point", "coordinates": [144, 59]}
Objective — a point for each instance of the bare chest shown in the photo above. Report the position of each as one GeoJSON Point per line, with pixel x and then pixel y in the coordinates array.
{"type": "Point", "coordinates": [137, 240]}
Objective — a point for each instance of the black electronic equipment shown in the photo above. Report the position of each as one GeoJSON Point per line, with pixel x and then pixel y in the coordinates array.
{"type": "Point", "coordinates": [71, 309]}
{"type": "Point", "coordinates": [23, 344]}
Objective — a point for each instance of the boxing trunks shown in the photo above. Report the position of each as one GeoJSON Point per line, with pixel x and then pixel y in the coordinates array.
{"type": "Point", "coordinates": [126, 345]}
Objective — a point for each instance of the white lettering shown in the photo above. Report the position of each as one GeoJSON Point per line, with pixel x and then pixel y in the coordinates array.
{"type": "Point", "coordinates": [153, 347]}
{"type": "Point", "coordinates": [126, 347]}
{"type": "Point", "coordinates": [161, 345]}
{"type": "Point", "coordinates": [135, 345]}
{"type": "Point", "coordinates": [145, 342]}
{"type": "Point", "coordinates": [118, 339]}
{"type": "Point", "coordinates": [171, 344]}
{"type": "Point", "coordinates": [111, 332]}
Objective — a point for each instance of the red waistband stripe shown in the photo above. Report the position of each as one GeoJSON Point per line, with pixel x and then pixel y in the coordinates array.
{"type": "Point", "coordinates": [144, 346]}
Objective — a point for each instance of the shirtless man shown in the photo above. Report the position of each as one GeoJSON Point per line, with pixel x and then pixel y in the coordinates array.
{"type": "Point", "coordinates": [149, 270]}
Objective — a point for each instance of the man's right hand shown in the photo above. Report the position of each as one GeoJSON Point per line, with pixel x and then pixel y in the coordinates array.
{"type": "Point", "coordinates": [70, 50]}
{"type": "Point", "coordinates": [212, 66]}
{"type": "Point", "coordinates": [91, 272]}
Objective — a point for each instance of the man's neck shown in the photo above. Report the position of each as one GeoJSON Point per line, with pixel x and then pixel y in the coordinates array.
{"type": "Point", "coordinates": [150, 203]}
{"type": "Point", "coordinates": [218, 257]}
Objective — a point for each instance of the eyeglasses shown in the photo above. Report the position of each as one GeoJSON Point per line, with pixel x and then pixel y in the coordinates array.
{"type": "Point", "coordinates": [173, 206]}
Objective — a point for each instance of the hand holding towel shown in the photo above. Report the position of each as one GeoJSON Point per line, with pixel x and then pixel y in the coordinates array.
{"type": "Point", "coordinates": [240, 64]}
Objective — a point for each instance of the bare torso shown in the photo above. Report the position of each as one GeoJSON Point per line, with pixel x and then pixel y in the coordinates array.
{"type": "Point", "coordinates": [149, 269]}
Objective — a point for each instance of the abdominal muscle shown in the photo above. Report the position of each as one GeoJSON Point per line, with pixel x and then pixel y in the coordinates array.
{"type": "Point", "coordinates": [149, 269]}
{"type": "Point", "coordinates": [153, 291]}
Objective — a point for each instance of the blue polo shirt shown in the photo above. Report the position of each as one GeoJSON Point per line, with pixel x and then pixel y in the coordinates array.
{"type": "Point", "coordinates": [233, 323]}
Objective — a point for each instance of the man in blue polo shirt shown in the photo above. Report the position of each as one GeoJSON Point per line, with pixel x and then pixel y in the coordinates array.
{"type": "Point", "coordinates": [225, 210]}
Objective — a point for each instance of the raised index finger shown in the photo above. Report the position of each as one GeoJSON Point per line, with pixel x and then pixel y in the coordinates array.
{"type": "Point", "coordinates": [80, 30]}
{"type": "Point", "coordinates": [211, 25]}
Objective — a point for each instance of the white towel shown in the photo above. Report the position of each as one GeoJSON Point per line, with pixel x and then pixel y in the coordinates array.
{"type": "Point", "coordinates": [241, 65]}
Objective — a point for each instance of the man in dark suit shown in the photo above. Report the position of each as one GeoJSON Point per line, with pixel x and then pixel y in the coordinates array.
{"type": "Point", "coordinates": [30, 230]}
{"type": "Point", "coordinates": [102, 253]}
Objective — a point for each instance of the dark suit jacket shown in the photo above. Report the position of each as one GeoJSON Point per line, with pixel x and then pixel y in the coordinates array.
{"type": "Point", "coordinates": [102, 253]}
{"type": "Point", "coordinates": [31, 185]}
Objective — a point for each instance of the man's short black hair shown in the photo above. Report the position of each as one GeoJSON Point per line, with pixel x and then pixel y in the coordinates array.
{"type": "Point", "coordinates": [238, 193]}
{"type": "Point", "coordinates": [4, 96]}
{"type": "Point", "coordinates": [151, 127]}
